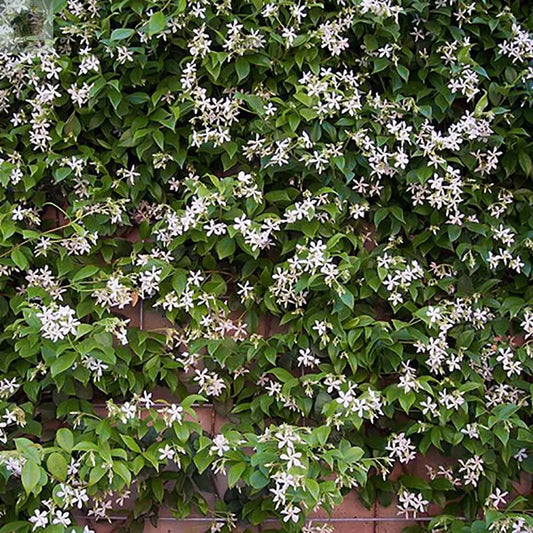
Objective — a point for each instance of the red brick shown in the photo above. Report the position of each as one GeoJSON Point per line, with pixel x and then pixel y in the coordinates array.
{"type": "Point", "coordinates": [153, 320]}
{"type": "Point", "coordinates": [393, 527]}
{"type": "Point", "coordinates": [130, 312]}
{"type": "Point", "coordinates": [351, 507]}
{"type": "Point", "coordinates": [353, 527]}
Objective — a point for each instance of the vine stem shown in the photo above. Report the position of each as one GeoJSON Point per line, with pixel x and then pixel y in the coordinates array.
{"type": "Point", "coordinates": [26, 241]}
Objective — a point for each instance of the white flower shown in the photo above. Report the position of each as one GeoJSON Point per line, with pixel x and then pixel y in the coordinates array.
{"type": "Point", "coordinates": [400, 447]}
{"type": "Point", "coordinates": [114, 294]}
{"type": "Point", "coordinates": [410, 502]}
{"type": "Point", "coordinates": [321, 327]}
{"type": "Point", "coordinates": [521, 455]}
{"type": "Point", "coordinates": [291, 512]}
{"type": "Point", "coordinates": [307, 359]}
{"type": "Point", "coordinates": [242, 223]}
{"type": "Point", "coordinates": [245, 290]}
{"type": "Point", "coordinates": [166, 453]}
{"type": "Point", "coordinates": [220, 445]}
{"type": "Point", "coordinates": [527, 323]}
{"type": "Point", "coordinates": [61, 518]}
{"type": "Point", "coordinates": [80, 95]}
{"type": "Point", "coordinates": [292, 458]}
{"type": "Point", "coordinates": [89, 62]}
{"type": "Point", "coordinates": [210, 383]}
{"type": "Point", "coordinates": [213, 228]}
{"type": "Point", "coordinates": [131, 175]}
{"type": "Point", "coordinates": [79, 497]}
{"type": "Point", "coordinates": [496, 498]}
{"type": "Point", "coordinates": [172, 413]}
{"type": "Point", "coordinates": [434, 314]}
{"type": "Point", "coordinates": [471, 430]}
{"type": "Point", "coordinates": [18, 213]}
{"type": "Point", "coordinates": [196, 278]}
{"type": "Point", "coordinates": [57, 322]}
{"type": "Point", "coordinates": [149, 282]}
{"type": "Point", "coordinates": [146, 399]}
{"type": "Point", "coordinates": [124, 55]}
{"type": "Point", "coordinates": [429, 407]}
{"type": "Point", "coordinates": [39, 519]}
{"type": "Point", "coordinates": [472, 469]}
{"type": "Point", "coordinates": [128, 411]}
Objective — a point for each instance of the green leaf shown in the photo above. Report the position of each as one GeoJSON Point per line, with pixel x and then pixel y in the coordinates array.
{"type": "Point", "coordinates": [380, 215]}
{"type": "Point", "coordinates": [353, 454]}
{"type": "Point", "coordinates": [235, 473]}
{"type": "Point", "coordinates": [203, 459]}
{"type": "Point", "coordinates": [322, 433]}
{"type": "Point", "coordinates": [347, 299]}
{"type": "Point", "coordinates": [180, 5]}
{"type": "Point", "coordinates": [482, 104]}
{"type": "Point", "coordinates": [63, 363]}
{"type": "Point", "coordinates": [97, 473]}
{"type": "Point", "coordinates": [313, 487]}
{"type": "Point", "coordinates": [372, 278]}
{"type": "Point", "coordinates": [61, 173]}
{"type": "Point", "coordinates": [137, 465]}
{"type": "Point", "coordinates": [403, 72]}
{"type": "Point", "coordinates": [502, 433]}
{"type": "Point", "coordinates": [225, 247]}
{"type": "Point", "coordinates": [242, 67]}
{"type": "Point", "coordinates": [31, 474]}
{"type": "Point", "coordinates": [58, 5]}
{"type": "Point", "coordinates": [270, 355]}
{"type": "Point", "coordinates": [28, 449]}
{"type": "Point", "coordinates": [13, 527]}
{"type": "Point", "coordinates": [454, 232]}
{"type": "Point", "coordinates": [115, 97]}
{"type": "Point", "coordinates": [294, 122]}
{"type": "Point", "coordinates": [57, 466]}
{"type": "Point", "coordinates": [130, 443]}
{"type": "Point", "coordinates": [179, 280]}
{"type": "Point", "coordinates": [123, 471]}
{"type": "Point", "coordinates": [258, 480]}
{"type": "Point", "coordinates": [381, 63]}
{"type": "Point", "coordinates": [371, 43]}
{"type": "Point", "coordinates": [138, 98]}
{"type": "Point", "coordinates": [19, 259]}
{"type": "Point", "coordinates": [426, 110]}
{"type": "Point", "coordinates": [121, 33]}
{"type": "Point", "coordinates": [86, 272]}
{"type": "Point", "coordinates": [157, 23]}
{"type": "Point", "coordinates": [413, 482]}
{"type": "Point", "coordinates": [525, 162]}
{"type": "Point", "coordinates": [303, 98]}
{"type": "Point", "coordinates": [65, 439]}
{"type": "Point", "coordinates": [255, 102]}
{"type": "Point", "coordinates": [397, 213]}
{"type": "Point", "coordinates": [407, 400]}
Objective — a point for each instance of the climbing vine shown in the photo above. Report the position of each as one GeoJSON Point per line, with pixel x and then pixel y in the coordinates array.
{"type": "Point", "coordinates": [330, 203]}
